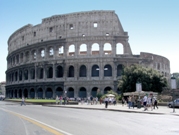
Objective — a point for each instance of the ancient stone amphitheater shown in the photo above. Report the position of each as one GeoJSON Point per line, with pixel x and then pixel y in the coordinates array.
{"type": "Point", "coordinates": [74, 55]}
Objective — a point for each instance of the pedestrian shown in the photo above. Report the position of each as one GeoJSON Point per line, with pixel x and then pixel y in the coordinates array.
{"type": "Point", "coordinates": [133, 101]}
{"type": "Point", "coordinates": [155, 102]}
{"type": "Point", "coordinates": [106, 100]}
{"type": "Point", "coordinates": [149, 103]}
{"type": "Point", "coordinates": [61, 100]}
{"type": "Point", "coordinates": [91, 98]}
{"type": "Point", "coordinates": [23, 101]}
{"type": "Point", "coordinates": [57, 99]}
{"type": "Point", "coordinates": [123, 101]}
{"type": "Point", "coordinates": [145, 102]}
{"type": "Point", "coordinates": [129, 102]}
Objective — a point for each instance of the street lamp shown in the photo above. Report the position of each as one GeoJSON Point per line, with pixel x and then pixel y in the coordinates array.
{"type": "Point", "coordinates": [173, 87]}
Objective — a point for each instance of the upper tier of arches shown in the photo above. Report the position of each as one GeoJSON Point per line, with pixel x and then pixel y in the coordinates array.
{"type": "Point", "coordinates": [81, 25]}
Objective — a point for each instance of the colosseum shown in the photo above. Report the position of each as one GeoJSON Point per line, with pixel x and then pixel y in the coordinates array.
{"type": "Point", "coordinates": [74, 55]}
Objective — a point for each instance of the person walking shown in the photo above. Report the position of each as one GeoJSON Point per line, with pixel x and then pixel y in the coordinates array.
{"type": "Point", "coordinates": [61, 98]}
{"type": "Point", "coordinates": [57, 99]}
{"type": "Point", "coordinates": [155, 102]}
{"type": "Point", "coordinates": [129, 102]}
{"type": "Point", "coordinates": [123, 101]}
{"type": "Point", "coordinates": [145, 102]}
{"type": "Point", "coordinates": [106, 100]}
{"type": "Point", "coordinates": [23, 101]}
{"type": "Point", "coordinates": [133, 101]}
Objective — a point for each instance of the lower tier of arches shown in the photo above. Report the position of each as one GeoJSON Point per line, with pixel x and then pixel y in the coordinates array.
{"type": "Point", "coordinates": [50, 90]}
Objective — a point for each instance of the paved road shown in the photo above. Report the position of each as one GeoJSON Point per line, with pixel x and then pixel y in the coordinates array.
{"type": "Point", "coordinates": [82, 122]}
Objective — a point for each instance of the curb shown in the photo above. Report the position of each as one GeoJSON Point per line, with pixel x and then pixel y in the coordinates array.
{"type": "Point", "coordinates": [85, 108]}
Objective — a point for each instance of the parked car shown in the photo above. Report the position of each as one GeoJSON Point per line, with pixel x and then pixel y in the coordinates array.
{"type": "Point", "coordinates": [2, 97]}
{"type": "Point", "coordinates": [176, 103]}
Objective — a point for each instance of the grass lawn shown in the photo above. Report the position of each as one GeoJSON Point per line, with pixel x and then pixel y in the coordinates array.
{"type": "Point", "coordinates": [34, 100]}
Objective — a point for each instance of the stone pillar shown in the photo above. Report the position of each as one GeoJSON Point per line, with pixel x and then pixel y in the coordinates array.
{"type": "Point", "coordinates": [101, 46]}
{"type": "Point", "coordinates": [101, 71]}
{"type": "Point", "coordinates": [89, 71]}
{"type": "Point", "coordinates": [45, 72]}
{"type": "Point", "coordinates": [53, 90]}
{"type": "Point", "coordinates": [43, 93]}
{"type": "Point", "coordinates": [28, 93]}
{"type": "Point", "coordinates": [17, 93]}
{"type": "Point", "coordinates": [35, 72]}
{"type": "Point", "coordinates": [28, 74]}
{"type": "Point", "coordinates": [88, 50]}
{"type": "Point", "coordinates": [54, 71]}
{"type": "Point", "coordinates": [114, 50]}
{"type": "Point", "coordinates": [114, 71]}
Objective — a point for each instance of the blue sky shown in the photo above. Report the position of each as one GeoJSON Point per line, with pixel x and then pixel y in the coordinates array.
{"type": "Point", "coordinates": [152, 25]}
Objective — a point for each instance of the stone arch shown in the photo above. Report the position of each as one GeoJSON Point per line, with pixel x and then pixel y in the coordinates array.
{"type": "Point", "coordinates": [15, 93]}
{"type": "Point", "coordinates": [11, 93]}
{"type": "Point", "coordinates": [95, 71]}
{"type": "Point", "coordinates": [32, 73]}
{"type": "Point", "coordinates": [82, 92]}
{"type": "Point", "coordinates": [59, 91]}
{"type": "Point", "coordinates": [32, 93]}
{"type": "Point", "coordinates": [17, 58]}
{"type": "Point", "coordinates": [94, 91]}
{"type": "Point", "coordinates": [40, 73]}
{"type": "Point", "coordinates": [70, 92]}
{"type": "Point", "coordinates": [40, 93]}
{"type": "Point", "coordinates": [59, 71]}
{"type": "Point", "coordinates": [107, 49]}
{"type": "Point", "coordinates": [20, 93]}
{"type": "Point", "coordinates": [26, 74]}
{"type": "Point", "coordinates": [42, 52]}
{"type": "Point", "coordinates": [83, 72]}
{"type": "Point", "coordinates": [107, 89]}
{"type": "Point", "coordinates": [49, 93]}
{"type": "Point", "coordinates": [34, 55]}
{"type": "Point", "coordinates": [21, 57]}
{"type": "Point", "coordinates": [119, 48]}
{"type": "Point", "coordinates": [27, 56]}
{"type": "Point", "coordinates": [120, 69]}
{"type": "Point", "coordinates": [83, 49]}
{"type": "Point", "coordinates": [95, 49]}
{"type": "Point", "coordinates": [16, 76]}
{"type": "Point", "coordinates": [60, 51]}
{"type": "Point", "coordinates": [12, 77]}
{"type": "Point", "coordinates": [20, 75]}
{"type": "Point", "coordinates": [25, 93]}
{"type": "Point", "coordinates": [71, 71]}
{"type": "Point", "coordinates": [71, 50]}
{"type": "Point", "coordinates": [50, 72]}
{"type": "Point", "coordinates": [107, 70]}
{"type": "Point", "coordinates": [50, 51]}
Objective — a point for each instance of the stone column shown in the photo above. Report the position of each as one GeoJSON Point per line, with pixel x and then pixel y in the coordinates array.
{"type": "Point", "coordinates": [45, 72]}
{"type": "Point", "coordinates": [54, 71]}
{"type": "Point", "coordinates": [101, 46]}
{"type": "Point", "coordinates": [114, 50]}
{"type": "Point", "coordinates": [88, 50]}
{"type": "Point", "coordinates": [17, 93]}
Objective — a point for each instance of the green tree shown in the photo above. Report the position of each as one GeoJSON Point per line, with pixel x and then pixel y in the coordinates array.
{"type": "Point", "coordinates": [150, 79]}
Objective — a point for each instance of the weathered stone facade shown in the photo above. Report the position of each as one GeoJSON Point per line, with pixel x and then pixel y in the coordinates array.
{"type": "Point", "coordinates": [68, 53]}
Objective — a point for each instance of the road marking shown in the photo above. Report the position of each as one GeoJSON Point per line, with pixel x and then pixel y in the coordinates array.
{"type": "Point", "coordinates": [49, 128]}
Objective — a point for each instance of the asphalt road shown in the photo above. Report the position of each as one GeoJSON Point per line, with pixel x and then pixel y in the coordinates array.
{"type": "Point", "coordinates": [52, 120]}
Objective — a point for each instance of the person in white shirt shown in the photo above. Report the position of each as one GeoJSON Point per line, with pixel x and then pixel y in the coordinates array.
{"type": "Point", "coordinates": [106, 100]}
{"type": "Point", "coordinates": [145, 102]}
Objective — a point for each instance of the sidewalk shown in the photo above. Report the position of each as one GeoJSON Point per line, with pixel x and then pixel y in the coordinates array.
{"type": "Point", "coordinates": [163, 110]}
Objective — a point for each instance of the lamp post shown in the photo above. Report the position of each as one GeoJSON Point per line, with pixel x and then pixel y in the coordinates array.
{"type": "Point", "coordinates": [173, 87]}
